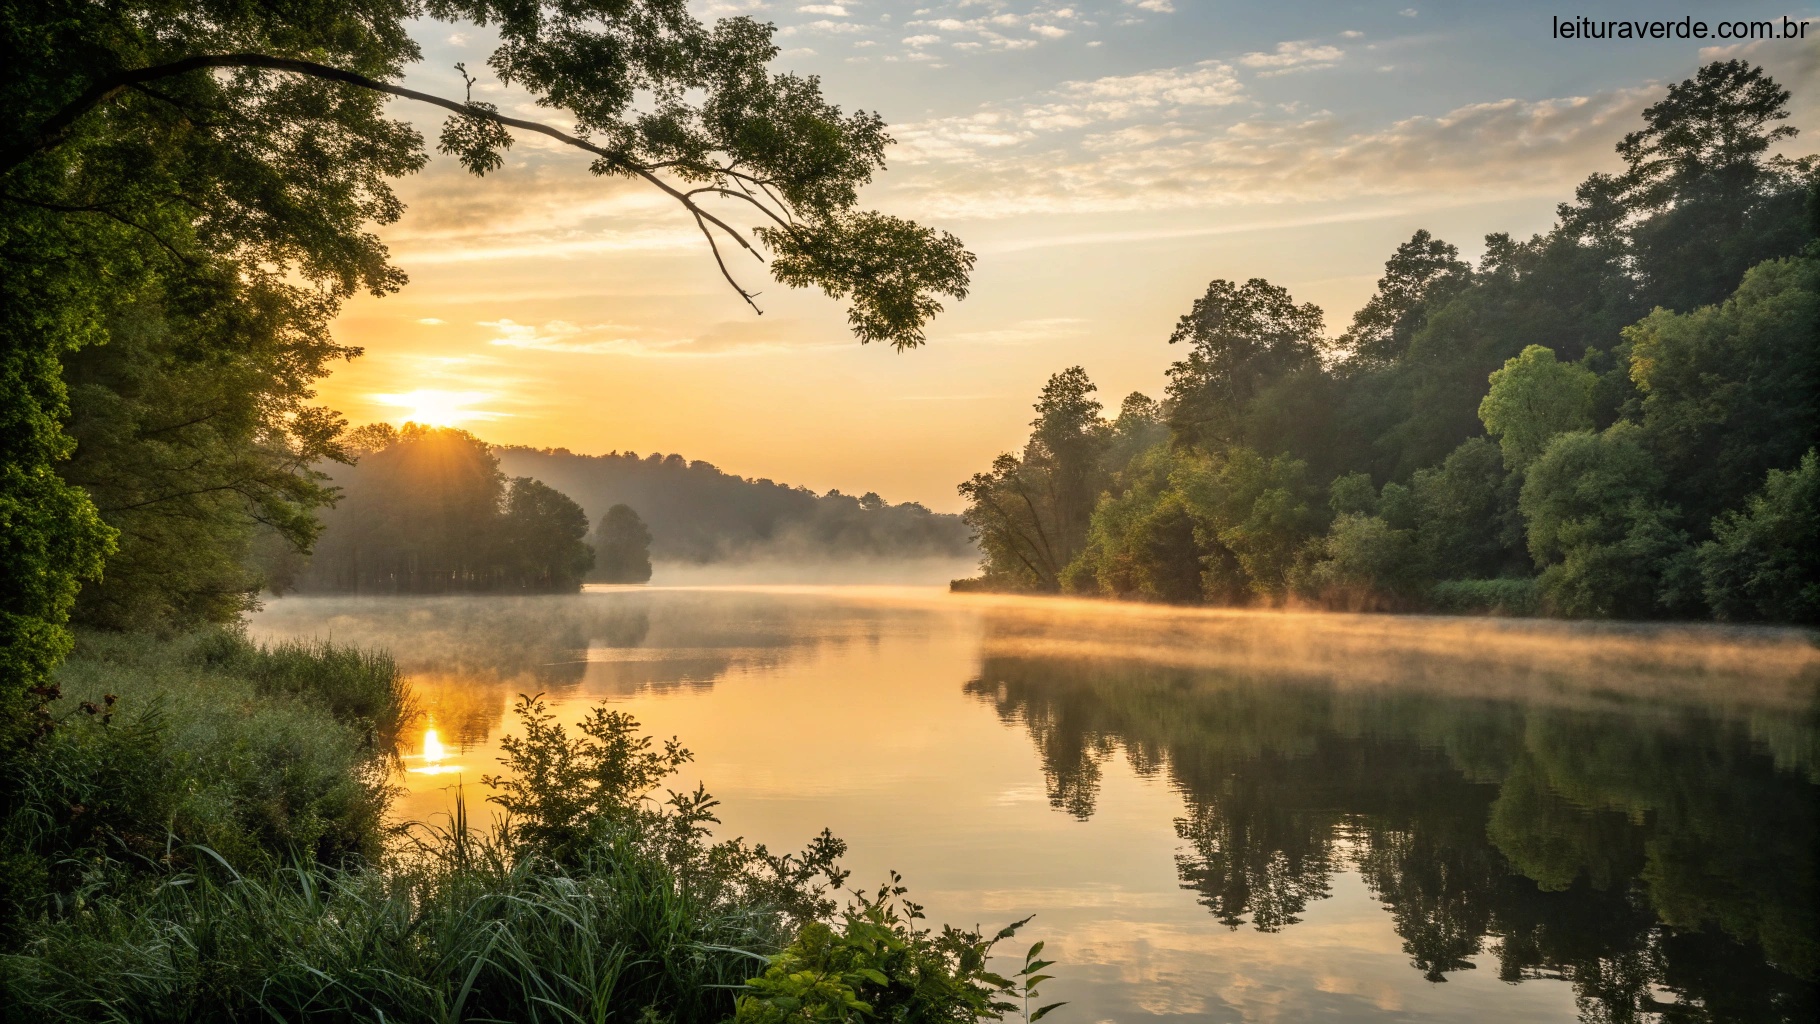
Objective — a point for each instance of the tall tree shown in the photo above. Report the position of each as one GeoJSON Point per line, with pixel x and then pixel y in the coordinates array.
{"type": "Point", "coordinates": [1417, 278]}
{"type": "Point", "coordinates": [421, 513]}
{"type": "Point", "coordinates": [1708, 199]}
{"type": "Point", "coordinates": [544, 536]}
{"type": "Point", "coordinates": [1031, 514]}
{"type": "Point", "coordinates": [623, 547]}
{"type": "Point", "coordinates": [232, 157]}
{"type": "Point", "coordinates": [1728, 392]}
{"type": "Point", "coordinates": [1240, 338]}
{"type": "Point", "coordinates": [1533, 398]}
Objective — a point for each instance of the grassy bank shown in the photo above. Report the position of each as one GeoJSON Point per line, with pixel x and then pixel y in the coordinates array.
{"type": "Point", "coordinates": [162, 746]}
{"type": "Point", "coordinates": [202, 836]}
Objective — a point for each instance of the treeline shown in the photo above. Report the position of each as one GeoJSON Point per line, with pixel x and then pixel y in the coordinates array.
{"type": "Point", "coordinates": [427, 509]}
{"type": "Point", "coordinates": [698, 513]}
{"type": "Point", "coordinates": [1616, 418]}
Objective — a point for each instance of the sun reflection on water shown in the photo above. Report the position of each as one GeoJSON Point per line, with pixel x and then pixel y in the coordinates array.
{"type": "Point", "coordinates": [433, 755]}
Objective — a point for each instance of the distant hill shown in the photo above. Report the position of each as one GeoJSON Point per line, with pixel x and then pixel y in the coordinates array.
{"type": "Point", "coordinates": [697, 513]}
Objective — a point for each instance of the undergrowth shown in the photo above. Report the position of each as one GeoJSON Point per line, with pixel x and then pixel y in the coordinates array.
{"type": "Point", "coordinates": [219, 875]}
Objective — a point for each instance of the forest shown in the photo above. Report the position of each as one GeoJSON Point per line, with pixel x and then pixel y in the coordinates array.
{"type": "Point", "coordinates": [699, 513]}
{"type": "Point", "coordinates": [438, 510]}
{"type": "Point", "coordinates": [1615, 418]}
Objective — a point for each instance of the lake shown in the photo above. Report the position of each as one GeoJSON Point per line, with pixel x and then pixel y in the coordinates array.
{"type": "Point", "coordinates": [1213, 816]}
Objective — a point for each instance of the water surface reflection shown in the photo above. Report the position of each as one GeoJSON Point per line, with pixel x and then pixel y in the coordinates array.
{"type": "Point", "coordinates": [1219, 816]}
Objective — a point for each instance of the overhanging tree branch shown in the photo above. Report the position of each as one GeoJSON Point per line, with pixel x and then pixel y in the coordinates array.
{"type": "Point", "coordinates": [58, 126]}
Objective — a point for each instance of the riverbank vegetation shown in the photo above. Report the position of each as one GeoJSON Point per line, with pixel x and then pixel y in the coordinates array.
{"type": "Point", "coordinates": [1613, 419]}
{"type": "Point", "coordinates": [201, 836]}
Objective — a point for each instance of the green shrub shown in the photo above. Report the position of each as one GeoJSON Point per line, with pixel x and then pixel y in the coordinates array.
{"type": "Point", "coordinates": [1486, 597]}
{"type": "Point", "coordinates": [1364, 563]}
{"type": "Point", "coordinates": [1764, 560]}
{"type": "Point", "coordinates": [1606, 544]}
{"type": "Point", "coordinates": [881, 966]}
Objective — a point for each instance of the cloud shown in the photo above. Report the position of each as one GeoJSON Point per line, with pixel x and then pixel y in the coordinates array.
{"type": "Point", "coordinates": [831, 10]}
{"type": "Point", "coordinates": [1295, 55]}
{"type": "Point", "coordinates": [563, 336]}
{"type": "Point", "coordinates": [1158, 6]}
{"type": "Point", "coordinates": [609, 339]}
{"type": "Point", "coordinates": [824, 25]}
{"type": "Point", "coordinates": [924, 40]}
{"type": "Point", "coordinates": [990, 29]}
{"type": "Point", "coordinates": [1073, 105]}
{"type": "Point", "coordinates": [1023, 332]}
{"type": "Point", "coordinates": [430, 321]}
{"type": "Point", "coordinates": [1169, 154]}
{"type": "Point", "coordinates": [439, 408]}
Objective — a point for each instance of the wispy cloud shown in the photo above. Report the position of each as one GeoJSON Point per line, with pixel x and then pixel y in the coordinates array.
{"type": "Point", "coordinates": [1022, 332]}
{"type": "Point", "coordinates": [1294, 55]}
{"type": "Point", "coordinates": [1074, 105]}
{"type": "Point", "coordinates": [608, 339]}
{"type": "Point", "coordinates": [1160, 140]}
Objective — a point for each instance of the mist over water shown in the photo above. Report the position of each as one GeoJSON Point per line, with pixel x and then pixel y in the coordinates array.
{"type": "Point", "coordinates": [1214, 815]}
{"type": "Point", "coordinates": [816, 569]}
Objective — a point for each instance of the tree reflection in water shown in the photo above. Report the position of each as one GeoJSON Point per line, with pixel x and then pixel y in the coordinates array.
{"type": "Point", "coordinates": [1659, 857]}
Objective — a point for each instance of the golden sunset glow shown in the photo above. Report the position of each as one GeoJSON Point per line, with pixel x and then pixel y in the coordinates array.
{"type": "Point", "coordinates": [1104, 170]}
{"type": "Point", "coordinates": [434, 408]}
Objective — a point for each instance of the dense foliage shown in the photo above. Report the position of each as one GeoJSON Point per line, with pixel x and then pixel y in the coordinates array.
{"type": "Point", "coordinates": [699, 513]}
{"type": "Point", "coordinates": [1607, 420]}
{"type": "Point", "coordinates": [189, 197]}
{"type": "Point", "coordinates": [208, 858]}
{"type": "Point", "coordinates": [426, 509]}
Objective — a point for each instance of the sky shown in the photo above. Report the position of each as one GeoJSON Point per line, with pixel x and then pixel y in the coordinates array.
{"type": "Point", "coordinates": [1105, 161]}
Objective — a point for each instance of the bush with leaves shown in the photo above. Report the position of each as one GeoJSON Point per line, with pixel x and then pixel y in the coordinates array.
{"type": "Point", "coordinates": [1606, 543]}
{"type": "Point", "coordinates": [882, 966]}
{"type": "Point", "coordinates": [1764, 559]}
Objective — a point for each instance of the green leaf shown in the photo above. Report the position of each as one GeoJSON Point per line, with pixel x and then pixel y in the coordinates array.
{"type": "Point", "coordinates": [1034, 950]}
{"type": "Point", "coordinates": [1041, 1012]}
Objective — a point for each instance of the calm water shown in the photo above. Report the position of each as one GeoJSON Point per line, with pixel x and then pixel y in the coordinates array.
{"type": "Point", "coordinates": [1214, 816]}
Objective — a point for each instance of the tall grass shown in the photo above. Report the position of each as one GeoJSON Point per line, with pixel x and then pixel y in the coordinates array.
{"type": "Point", "coordinates": [208, 740]}
{"type": "Point", "coordinates": [474, 935]}
{"type": "Point", "coordinates": [213, 893]}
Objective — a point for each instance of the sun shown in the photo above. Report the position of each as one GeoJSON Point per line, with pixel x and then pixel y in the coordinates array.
{"type": "Point", "coordinates": [436, 408]}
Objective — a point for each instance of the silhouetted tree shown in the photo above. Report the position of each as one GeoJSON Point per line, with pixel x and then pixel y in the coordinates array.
{"type": "Point", "coordinates": [623, 546]}
{"type": "Point", "coordinates": [544, 537]}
